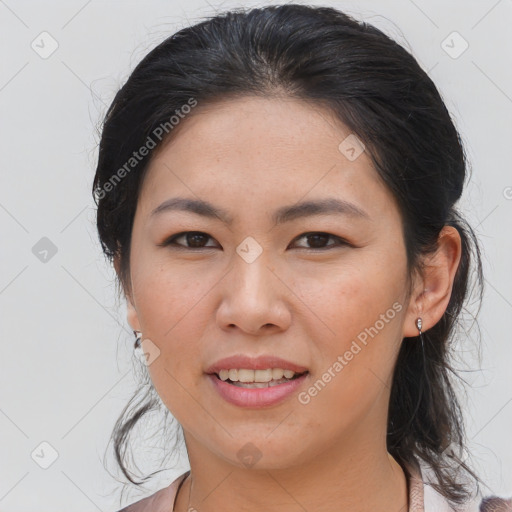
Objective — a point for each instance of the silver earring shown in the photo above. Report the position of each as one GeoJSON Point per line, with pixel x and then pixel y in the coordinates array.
{"type": "Point", "coordinates": [138, 339]}
{"type": "Point", "coordinates": [419, 324]}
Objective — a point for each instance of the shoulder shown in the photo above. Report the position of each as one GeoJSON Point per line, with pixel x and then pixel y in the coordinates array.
{"type": "Point", "coordinates": [425, 498]}
{"type": "Point", "coordinates": [160, 501]}
{"type": "Point", "coordinates": [495, 504]}
{"type": "Point", "coordinates": [434, 502]}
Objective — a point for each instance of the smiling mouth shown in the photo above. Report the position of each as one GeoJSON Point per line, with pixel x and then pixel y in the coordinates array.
{"type": "Point", "coordinates": [259, 385]}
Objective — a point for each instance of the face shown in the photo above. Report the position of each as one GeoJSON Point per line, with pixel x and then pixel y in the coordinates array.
{"type": "Point", "coordinates": [321, 287]}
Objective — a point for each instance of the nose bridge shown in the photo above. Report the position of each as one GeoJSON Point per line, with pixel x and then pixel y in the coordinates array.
{"type": "Point", "coordinates": [252, 295]}
{"type": "Point", "coordinates": [253, 281]}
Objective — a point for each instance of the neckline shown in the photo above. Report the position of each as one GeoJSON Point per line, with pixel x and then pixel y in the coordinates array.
{"type": "Point", "coordinates": [414, 488]}
{"type": "Point", "coordinates": [183, 477]}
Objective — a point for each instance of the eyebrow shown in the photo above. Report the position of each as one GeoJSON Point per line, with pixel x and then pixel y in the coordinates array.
{"type": "Point", "coordinates": [327, 206]}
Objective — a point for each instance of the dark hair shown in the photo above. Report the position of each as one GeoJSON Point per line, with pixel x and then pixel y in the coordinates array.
{"type": "Point", "coordinates": [377, 89]}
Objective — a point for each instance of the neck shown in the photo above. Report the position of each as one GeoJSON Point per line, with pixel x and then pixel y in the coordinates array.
{"type": "Point", "coordinates": [357, 482]}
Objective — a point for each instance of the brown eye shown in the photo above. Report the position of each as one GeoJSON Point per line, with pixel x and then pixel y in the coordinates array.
{"type": "Point", "coordinates": [319, 240]}
{"type": "Point", "coordinates": [191, 239]}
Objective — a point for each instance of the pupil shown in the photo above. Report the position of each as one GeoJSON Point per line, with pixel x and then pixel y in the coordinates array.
{"type": "Point", "coordinates": [316, 238]}
{"type": "Point", "coordinates": [193, 237]}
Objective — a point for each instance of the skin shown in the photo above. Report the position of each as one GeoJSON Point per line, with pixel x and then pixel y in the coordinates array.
{"type": "Point", "coordinates": [251, 156]}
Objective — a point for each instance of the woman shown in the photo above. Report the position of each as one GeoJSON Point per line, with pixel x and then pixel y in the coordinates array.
{"type": "Point", "coordinates": [276, 189]}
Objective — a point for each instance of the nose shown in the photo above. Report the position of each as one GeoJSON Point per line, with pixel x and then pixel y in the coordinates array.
{"type": "Point", "coordinates": [254, 299]}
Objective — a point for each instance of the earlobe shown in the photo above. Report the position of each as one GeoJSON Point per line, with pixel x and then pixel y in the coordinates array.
{"type": "Point", "coordinates": [432, 293]}
{"type": "Point", "coordinates": [131, 315]}
{"type": "Point", "coordinates": [131, 312]}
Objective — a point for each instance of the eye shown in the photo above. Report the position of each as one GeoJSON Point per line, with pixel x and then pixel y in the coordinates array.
{"type": "Point", "coordinates": [318, 240]}
{"type": "Point", "coordinates": [195, 239]}
{"type": "Point", "coordinates": [198, 239]}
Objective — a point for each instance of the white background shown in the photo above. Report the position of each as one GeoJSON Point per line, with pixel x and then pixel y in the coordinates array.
{"type": "Point", "coordinates": [65, 370]}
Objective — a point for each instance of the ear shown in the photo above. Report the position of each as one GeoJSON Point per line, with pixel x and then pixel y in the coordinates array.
{"type": "Point", "coordinates": [432, 290]}
{"type": "Point", "coordinates": [131, 312]}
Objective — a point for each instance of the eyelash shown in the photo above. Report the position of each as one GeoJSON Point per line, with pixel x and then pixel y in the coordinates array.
{"type": "Point", "coordinates": [171, 241]}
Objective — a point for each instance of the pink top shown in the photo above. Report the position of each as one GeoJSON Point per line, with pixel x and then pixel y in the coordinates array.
{"type": "Point", "coordinates": [422, 498]}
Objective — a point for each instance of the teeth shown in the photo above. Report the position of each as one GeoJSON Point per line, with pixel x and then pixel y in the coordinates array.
{"type": "Point", "coordinates": [262, 376]}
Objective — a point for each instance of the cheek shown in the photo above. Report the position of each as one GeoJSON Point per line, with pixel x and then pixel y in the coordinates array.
{"type": "Point", "coordinates": [358, 317]}
{"type": "Point", "coordinates": [172, 310]}
{"type": "Point", "coordinates": [347, 299]}
{"type": "Point", "coordinates": [166, 297]}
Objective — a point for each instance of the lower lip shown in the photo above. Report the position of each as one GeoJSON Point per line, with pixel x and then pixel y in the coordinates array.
{"type": "Point", "coordinates": [256, 397]}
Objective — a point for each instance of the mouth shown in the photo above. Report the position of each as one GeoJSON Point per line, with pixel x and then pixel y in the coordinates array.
{"type": "Point", "coordinates": [242, 389]}
{"type": "Point", "coordinates": [256, 382]}
{"type": "Point", "coordinates": [257, 379]}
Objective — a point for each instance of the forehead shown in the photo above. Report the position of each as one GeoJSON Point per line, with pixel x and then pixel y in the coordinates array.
{"type": "Point", "coordinates": [271, 147]}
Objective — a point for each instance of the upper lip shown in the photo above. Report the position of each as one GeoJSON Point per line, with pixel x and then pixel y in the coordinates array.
{"type": "Point", "coordinates": [240, 362]}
